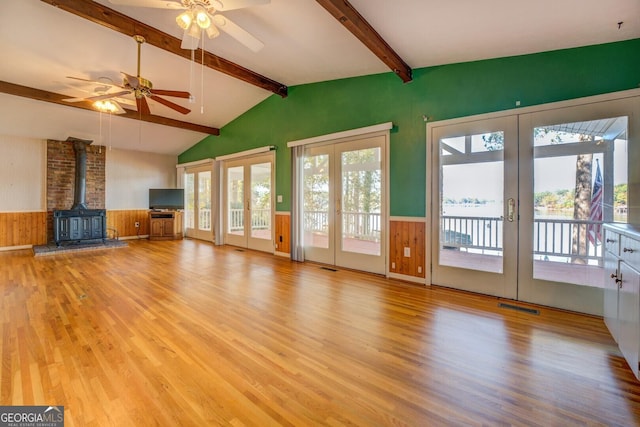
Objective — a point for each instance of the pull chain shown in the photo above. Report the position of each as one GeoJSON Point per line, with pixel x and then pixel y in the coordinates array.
{"type": "Point", "coordinates": [202, 77]}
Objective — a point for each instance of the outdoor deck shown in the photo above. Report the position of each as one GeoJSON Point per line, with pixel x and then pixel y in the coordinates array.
{"type": "Point", "coordinates": [587, 275]}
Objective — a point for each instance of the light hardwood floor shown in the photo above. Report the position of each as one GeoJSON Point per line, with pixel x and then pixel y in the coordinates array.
{"type": "Point", "coordinates": [182, 333]}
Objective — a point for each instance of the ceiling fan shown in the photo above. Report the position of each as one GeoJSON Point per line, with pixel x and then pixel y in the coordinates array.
{"type": "Point", "coordinates": [141, 89]}
{"type": "Point", "coordinates": [201, 16]}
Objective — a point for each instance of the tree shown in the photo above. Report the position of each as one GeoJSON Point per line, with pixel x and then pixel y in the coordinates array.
{"type": "Point", "coordinates": [582, 195]}
{"type": "Point", "coordinates": [620, 195]}
{"type": "Point", "coordinates": [581, 206]}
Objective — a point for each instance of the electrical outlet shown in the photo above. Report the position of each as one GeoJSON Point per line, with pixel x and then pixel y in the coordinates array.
{"type": "Point", "coordinates": [407, 252]}
{"type": "Point", "coordinates": [393, 265]}
{"type": "Point", "coordinates": [137, 224]}
{"type": "Point", "coordinates": [419, 270]}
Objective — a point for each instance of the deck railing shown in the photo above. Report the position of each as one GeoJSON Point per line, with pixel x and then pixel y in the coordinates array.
{"type": "Point", "coordinates": [260, 219]}
{"type": "Point", "coordinates": [355, 225]}
{"type": "Point", "coordinates": [204, 219]}
{"type": "Point", "coordinates": [567, 238]}
{"type": "Point", "coordinates": [553, 239]}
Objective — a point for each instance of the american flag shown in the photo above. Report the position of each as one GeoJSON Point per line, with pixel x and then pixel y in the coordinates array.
{"type": "Point", "coordinates": [594, 230]}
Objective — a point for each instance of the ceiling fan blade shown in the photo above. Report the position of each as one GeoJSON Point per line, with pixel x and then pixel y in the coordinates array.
{"type": "Point", "coordinates": [237, 4]}
{"type": "Point", "coordinates": [107, 95]}
{"type": "Point", "coordinates": [125, 101]}
{"type": "Point", "coordinates": [238, 33]}
{"type": "Point", "coordinates": [98, 82]}
{"type": "Point", "coordinates": [143, 105]}
{"type": "Point", "coordinates": [172, 105]}
{"type": "Point", "coordinates": [103, 96]}
{"type": "Point", "coordinates": [174, 93]}
{"type": "Point", "coordinates": [159, 4]}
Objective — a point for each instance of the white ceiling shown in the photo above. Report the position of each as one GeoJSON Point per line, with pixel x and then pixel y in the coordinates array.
{"type": "Point", "coordinates": [41, 45]}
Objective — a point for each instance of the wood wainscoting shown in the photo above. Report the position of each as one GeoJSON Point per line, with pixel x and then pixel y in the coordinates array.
{"type": "Point", "coordinates": [23, 229]}
{"type": "Point", "coordinates": [283, 233]}
{"type": "Point", "coordinates": [122, 223]}
{"type": "Point", "coordinates": [407, 233]}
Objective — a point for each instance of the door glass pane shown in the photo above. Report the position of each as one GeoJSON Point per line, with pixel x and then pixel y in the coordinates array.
{"type": "Point", "coordinates": [190, 196]}
{"type": "Point", "coordinates": [316, 201]}
{"type": "Point", "coordinates": [235, 197]}
{"type": "Point", "coordinates": [204, 201]}
{"type": "Point", "coordinates": [261, 201]}
{"type": "Point", "coordinates": [580, 181]}
{"type": "Point", "coordinates": [471, 201]}
{"type": "Point", "coordinates": [361, 200]}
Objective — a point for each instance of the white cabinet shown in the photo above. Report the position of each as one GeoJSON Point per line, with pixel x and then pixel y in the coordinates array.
{"type": "Point", "coordinates": [611, 281]}
{"type": "Point", "coordinates": [622, 289]}
{"type": "Point", "coordinates": [628, 319]}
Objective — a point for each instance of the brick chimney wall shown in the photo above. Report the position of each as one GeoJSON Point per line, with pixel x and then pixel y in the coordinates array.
{"type": "Point", "coordinates": [61, 167]}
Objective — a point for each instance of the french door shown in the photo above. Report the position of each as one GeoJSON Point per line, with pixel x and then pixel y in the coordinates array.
{"type": "Point", "coordinates": [344, 204]}
{"type": "Point", "coordinates": [519, 201]}
{"type": "Point", "coordinates": [591, 149]}
{"type": "Point", "coordinates": [197, 183]}
{"type": "Point", "coordinates": [475, 227]}
{"type": "Point", "coordinates": [249, 214]}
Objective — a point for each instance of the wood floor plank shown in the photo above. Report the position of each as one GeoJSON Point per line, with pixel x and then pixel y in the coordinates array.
{"type": "Point", "coordinates": [185, 333]}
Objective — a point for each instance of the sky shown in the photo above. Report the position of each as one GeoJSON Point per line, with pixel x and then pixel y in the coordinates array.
{"type": "Point", "coordinates": [485, 180]}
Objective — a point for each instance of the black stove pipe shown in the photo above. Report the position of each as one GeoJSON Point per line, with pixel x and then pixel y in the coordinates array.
{"type": "Point", "coordinates": [80, 189]}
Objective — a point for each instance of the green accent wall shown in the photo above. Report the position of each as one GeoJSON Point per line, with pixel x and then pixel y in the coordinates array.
{"type": "Point", "coordinates": [442, 92]}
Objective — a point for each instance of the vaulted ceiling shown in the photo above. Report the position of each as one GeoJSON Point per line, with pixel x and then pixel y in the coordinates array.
{"type": "Point", "coordinates": [305, 41]}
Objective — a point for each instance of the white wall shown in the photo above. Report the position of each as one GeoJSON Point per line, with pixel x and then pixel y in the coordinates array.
{"type": "Point", "coordinates": [130, 175]}
{"type": "Point", "coordinates": [23, 174]}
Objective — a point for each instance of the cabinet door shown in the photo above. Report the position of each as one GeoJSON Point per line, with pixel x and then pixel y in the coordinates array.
{"type": "Point", "coordinates": [611, 293]}
{"type": "Point", "coordinates": [156, 227]}
{"type": "Point", "coordinates": [628, 315]}
{"type": "Point", "coordinates": [167, 227]}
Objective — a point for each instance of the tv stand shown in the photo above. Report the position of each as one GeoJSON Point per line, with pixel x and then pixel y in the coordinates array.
{"type": "Point", "coordinates": [165, 225]}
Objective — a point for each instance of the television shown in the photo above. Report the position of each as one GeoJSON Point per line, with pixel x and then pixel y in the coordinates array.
{"type": "Point", "coordinates": [166, 198]}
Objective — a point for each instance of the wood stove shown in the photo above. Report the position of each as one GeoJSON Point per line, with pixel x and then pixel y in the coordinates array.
{"type": "Point", "coordinates": [79, 223]}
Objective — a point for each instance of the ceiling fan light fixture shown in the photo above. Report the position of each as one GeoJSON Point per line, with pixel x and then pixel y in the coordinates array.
{"type": "Point", "coordinates": [185, 19]}
{"type": "Point", "coordinates": [202, 19]}
{"type": "Point", "coordinates": [194, 31]}
{"type": "Point", "coordinates": [212, 31]}
{"type": "Point", "coordinates": [108, 106]}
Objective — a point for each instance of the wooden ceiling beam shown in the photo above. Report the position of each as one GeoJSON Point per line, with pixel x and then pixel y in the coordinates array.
{"type": "Point", "coordinates": [55, 98]}
{"type": "Point", "coordinates": [116, 21]}
{"type": "Point", "coordinates": [348, 16]}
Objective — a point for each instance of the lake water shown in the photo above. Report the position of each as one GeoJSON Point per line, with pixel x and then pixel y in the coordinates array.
{"type": "Point", "coordinates": [495, 210]}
